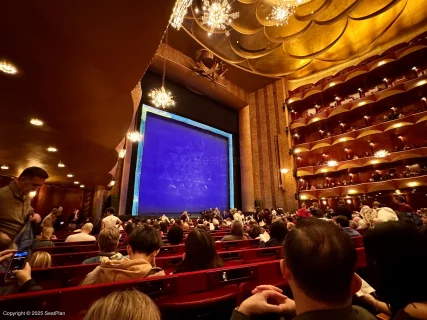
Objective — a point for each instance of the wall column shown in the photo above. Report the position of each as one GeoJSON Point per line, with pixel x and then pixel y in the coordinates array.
{"type": "Point", "coordinates": [246, 168]}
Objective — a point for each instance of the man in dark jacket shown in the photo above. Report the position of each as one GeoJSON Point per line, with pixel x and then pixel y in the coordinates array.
{"type": "Point", "coordinates": [343, 210]}
{"type": "Point", "coordinates": [319, 262]}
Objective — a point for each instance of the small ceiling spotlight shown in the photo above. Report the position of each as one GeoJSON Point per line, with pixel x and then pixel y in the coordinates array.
{"type": "Point", "coordinates": [36, 122]}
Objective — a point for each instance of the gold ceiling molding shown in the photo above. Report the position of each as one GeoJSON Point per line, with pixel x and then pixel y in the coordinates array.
{"type": "Point", "coordinates": [322, 37]}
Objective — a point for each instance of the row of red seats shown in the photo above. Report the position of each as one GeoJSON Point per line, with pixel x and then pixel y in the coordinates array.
{"type": "Point", "coordinates": [217, 290]}
{"type": "Point", "coordinates": [66, 276]}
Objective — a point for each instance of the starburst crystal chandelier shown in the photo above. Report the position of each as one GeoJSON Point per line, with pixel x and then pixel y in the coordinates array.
{"type": "Point", "coordinates": [217, 15]}
{"type": "Point", "coordinates": [134, 136]}
{"type": "Point", "coordinates": [161, 98]}
{"type": "Point", "coordinates": [178, 14]}
{"type": "Point", "coordinates": [381, 154]}
{"type": "Point", "coordinates": [281, 12]}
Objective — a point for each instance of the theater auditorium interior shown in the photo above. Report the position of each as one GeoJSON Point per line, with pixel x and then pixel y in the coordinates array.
{"type": "Point", "coordinates": [213, 159]}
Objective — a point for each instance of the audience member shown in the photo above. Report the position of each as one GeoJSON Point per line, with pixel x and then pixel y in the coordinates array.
{"type": "Point", "coordinates": [367, 214]}
{"type": "Point", "coordinates": [84, 235]}
{"type": "Point", "coordinates": [278, 233]}
{"type": "Point", "coordinates": [164, 227]}
{"type": "Point", "coordinates": [50, 219]}
{"type": "Point", "coordinates": [24, 282]}
{"type": "Point", "coordinates": [128, 305]}
{"type": "Point", "coordinates": [129, 227]}
{"type": "Point", "coordinates": [40, 260]}
{"type": "Point", "coordinates": [185, 226]}
{"type": "Point", "coordinates": [319, 266]}
{"type": "Point", "coordinates": [15, 204]}
{"type": "Point", "coordinates": [144, 245]}
{"type": "Point", "coordinates": [43, 239]}
{"type": "Point", "coordinates": [175, 235]}
{"type": "Point", "coordinates": [108, 240]}
{"type": "Point", "coordinates": [423, 214]}
{"type": "Point", "coordinates": [384, 213]}
{"type": "Point", "coordinates": [236, 232]}
{"type": "Point", "coordinates": [403, 206]}
{"type": "Point", "coordinates": [215, 223]}
{"type": "Point", "coordinates": [303, 212]}
{"type": "Point", "coordinates": [255, 231]}
{"type": "Point", "coordinates": [343, 222]}
{"type": "Point", "coordinates": [290, 226]}
{"type": "Point", "coordinates": [200, 253]}
{"type": "Point", "coordinates": [185, 217]}
{"type": "Point", "coordinates": [156, 225]}
{"type": "Point", "coordinates": [315, 211]}
{"type": "Point", "coordinates": [395, 250]}
{"type": "Point", "coordinates": [111, 220]}
{"type": "Point", "coordinates": [342, 210]}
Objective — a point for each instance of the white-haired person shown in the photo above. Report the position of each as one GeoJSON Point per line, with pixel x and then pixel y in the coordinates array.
{"type": "Point", "coordinates": [83, 235]}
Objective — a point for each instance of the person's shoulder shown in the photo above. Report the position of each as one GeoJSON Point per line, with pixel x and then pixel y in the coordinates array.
{"type": "Point", "coordinates": [363, 314]}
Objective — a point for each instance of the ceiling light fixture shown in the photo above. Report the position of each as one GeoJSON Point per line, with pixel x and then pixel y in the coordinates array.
{"type": "Point", "coordinates": [7, 67]}
{"type": "Point", "coordinates": [332, 163]}
{"type": "Point", "coordinates": [161, 98]}
{"type": "Point", "coordinates": [284, 170]}
{"type": "Point", "coordinates": [381, 154]}
{"type": "Point", "coordinates": [52, 149]}
{"type": "Point", "coordinates": [36, 122]}
{"type": "Point", "coordinates": [82, 186]}
{"type": "Point", "coordinates": [134, 136]}
{"type": "Point", "coordinates": [179, 11]}
{"type": "Point", "coordinates": [217, 15]}
{"type": "Point", "coordinates": [122, 153]}
{"type": "Point", "coordinates": [281, 13]}
{"type": "Point", "coordinates": [4, 167]}
{"type": "Point", "coordinates": [76, 182]}
{"type": "Point", "coordinates": [32, 194]}
{"type": "Point", "coordinates": [70, 175]}
{"type": "Point", "coordinates": [61, 165]}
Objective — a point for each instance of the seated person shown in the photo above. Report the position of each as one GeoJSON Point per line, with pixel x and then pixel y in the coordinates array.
{"type": "Point", "coordinates": [164, 227]}
{"type": "Point", "coordinates": [50, 219]}
{"type": "Point", "coordinates": [200, 253]}
{"type": "Point", "coordinates": [215, 223]}
{"type": "Point", "coordinates": [392, 247]}
{"type": "Point", "coordinates": [129, 304]}
{"type": "Point", "coordinates": [23, 282]}
{"type": "Point", "coordinates": [278, 232]}
{"type": "Point", "coordinates": [344, 223]}
{"type": "Point", "coordinates": [144, 245]}
{"type": "Point", "coordinates": [319, 263]}
{"type": "Point", "coordinates": [175, 235]}
{"type": "Point", "coordinates": [129, 227]}
{"type": "Point", "coordinates": [40, 260]}
{"type": "Point", "coordinates": [108, 240]}
{"type": "Point", "coordinates": [236, 232]}
{"type": "Point", "coordinates": [43, 238]}
{"type": "Point", "coordinates": [255, 231]}
{"type": "Point", "coordinates": [84, 235]}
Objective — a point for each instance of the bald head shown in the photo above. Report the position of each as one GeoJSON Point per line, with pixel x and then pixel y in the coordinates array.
{"type": "Point", "coordinates": [87, 228]}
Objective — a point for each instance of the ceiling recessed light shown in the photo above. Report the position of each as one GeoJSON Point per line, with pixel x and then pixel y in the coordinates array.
{"type": "Point", "coordinates": [82, 186]}
{"type": "Point", "coordinates": [8, 67]}
{"type": "Point", "coordinates": [122, 153]}
{"type": "Point", "coordinates": [32, 194]}
{"type": "Point", "coordinates": [36, 122]}
{"type": "Point", "coordinates": [70, 175]}
{"type": "Point", "coordinates": [4, 167]}
{"type": "Point", "coordinates": [61, 165]}
{"type": "Point", "coordinates": [76, 182]}
{"type": "Point", "coordinates": [52, 149]}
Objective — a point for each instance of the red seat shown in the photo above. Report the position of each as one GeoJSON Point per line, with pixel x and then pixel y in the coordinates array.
{"type": "Point", "coordinates": [358, 241]}
{"type": "Point", "coordinates": [361, 258]}
{"type": "Point", "coordinates": [69, 248]}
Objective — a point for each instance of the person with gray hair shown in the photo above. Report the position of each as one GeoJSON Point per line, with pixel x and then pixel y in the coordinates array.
{"type": "Point", "coordinates": [236, 232]}
{"type": "Point", "coordinates": [83, 235]}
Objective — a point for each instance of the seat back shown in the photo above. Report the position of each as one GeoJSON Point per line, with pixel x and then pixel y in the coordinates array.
{"type": "Point", "coordinates": [358, 241]}
{"type": "Point", "coordinates": [70, 248]}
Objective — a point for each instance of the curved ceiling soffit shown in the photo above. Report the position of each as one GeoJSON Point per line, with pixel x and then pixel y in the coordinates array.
{"type": "Point", "coordinates": [321, 33]}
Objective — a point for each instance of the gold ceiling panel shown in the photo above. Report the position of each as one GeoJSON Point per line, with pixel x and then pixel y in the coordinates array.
{"type": "Point", "coordinates": [277, 63]}
{"type": "Point", "coordinates": [370, 8]}
{"type": "Point", "coordinates": [253, 46]}
{"type": "Point", "coordinates": [350, 44]}
{"type": "Point", "coordinates": [337, 10]}
{"type": "Point", "coordinates": [321, 37]}
{"type": "Point", "coordinates": [247, 22]}
{"type": "Point", "coordinates": [311, 9]}
{"type": "Point", "coordinates": [317, 39]}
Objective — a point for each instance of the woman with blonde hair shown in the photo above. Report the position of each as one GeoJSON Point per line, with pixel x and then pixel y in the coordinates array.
{"type": "Point", "coordinates": [40, 260]}
{"type": "Point", "coordinates": [128, 304]}
{"type": "Point", "coordinates": [43, 239]}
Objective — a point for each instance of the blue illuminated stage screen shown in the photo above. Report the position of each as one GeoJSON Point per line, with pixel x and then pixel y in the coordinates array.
{"type": "Point", "coordinates": [181, 165]}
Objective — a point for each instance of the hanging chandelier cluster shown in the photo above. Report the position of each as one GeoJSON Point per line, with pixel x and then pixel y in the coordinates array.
{"type": "Point", "coordinates": [281, 13]}
{"type": "Point", "coordinates": [134, 136]}
{"type": "Point", "coordinates": [161, 98]}
{"type": "Point", "coordinates": [178, 14]}
{"type": "Point", "coordinates": [217, 15]}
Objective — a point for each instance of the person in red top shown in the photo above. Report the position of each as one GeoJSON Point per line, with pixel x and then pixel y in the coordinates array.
{"type": "Point", "coordinates": [303, 212]}
{"type": "Point", "coordinates": [403, 206]}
